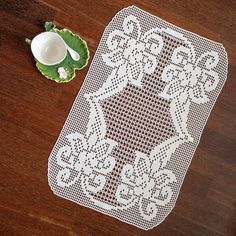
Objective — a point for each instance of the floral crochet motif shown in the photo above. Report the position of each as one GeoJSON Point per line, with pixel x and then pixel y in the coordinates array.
{"type": "Point", "coordinates": [188, 81]}
{"type": "Point", "coordinates": [133, 53]}
{"type": "Point", "coordinates": [147, 181]}
{"type": "Point", "coordinates": [186, 75]}
{"type": "Point", "coordinates": [82, 157]}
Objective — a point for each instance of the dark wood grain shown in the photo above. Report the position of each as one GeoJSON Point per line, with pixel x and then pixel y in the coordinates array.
{"type": "Point", "coordinates": [33, 110]}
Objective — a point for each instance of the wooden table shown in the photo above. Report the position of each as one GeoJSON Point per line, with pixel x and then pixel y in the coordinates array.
{"type": "Point", "coordinates": [33, 110]}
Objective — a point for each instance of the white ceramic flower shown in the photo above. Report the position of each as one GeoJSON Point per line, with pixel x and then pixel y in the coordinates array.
{"type": "Point", "coordinates": [131, 52]}
{"type": "Point", "coordinates": [190, 77]}
{"type": "Point", "coordinates": [62, 72]}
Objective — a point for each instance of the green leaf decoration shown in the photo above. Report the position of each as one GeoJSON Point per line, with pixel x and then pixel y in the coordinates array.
{"type": "Point", "coordinates": [75, 42]}
{"type": "Point", "coordinates": [49, 26]}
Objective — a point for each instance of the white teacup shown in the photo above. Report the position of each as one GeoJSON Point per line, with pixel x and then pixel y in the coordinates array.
{"type": "Point", "coordinates": [49, 48]}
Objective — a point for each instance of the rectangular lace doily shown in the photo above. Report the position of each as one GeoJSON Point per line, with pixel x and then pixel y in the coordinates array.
{"type": "Point", "coordinates": [137, 120]}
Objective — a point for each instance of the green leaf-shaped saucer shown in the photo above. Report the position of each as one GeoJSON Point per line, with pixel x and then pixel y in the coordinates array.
{"type": "Point", "coordinates": [75, 42]}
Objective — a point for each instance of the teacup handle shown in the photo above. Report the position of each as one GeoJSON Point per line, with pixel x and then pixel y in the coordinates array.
{"type": "Point", "coordinates": [28, 41]}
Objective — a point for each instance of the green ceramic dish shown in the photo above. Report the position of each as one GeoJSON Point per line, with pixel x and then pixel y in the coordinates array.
{"type": "Point", "coordinates": [75, 42]}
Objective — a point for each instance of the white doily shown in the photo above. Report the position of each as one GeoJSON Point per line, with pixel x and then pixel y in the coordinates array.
{"type": "Point", "coordinates": [137, 120]}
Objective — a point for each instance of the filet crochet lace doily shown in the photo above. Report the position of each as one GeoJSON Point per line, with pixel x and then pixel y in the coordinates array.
{"type": "Point", "coordinates": [137, 120]}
